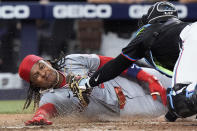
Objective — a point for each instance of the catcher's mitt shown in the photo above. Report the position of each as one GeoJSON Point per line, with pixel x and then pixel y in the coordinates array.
{"type": "Point", "coordinates": [73, 82]}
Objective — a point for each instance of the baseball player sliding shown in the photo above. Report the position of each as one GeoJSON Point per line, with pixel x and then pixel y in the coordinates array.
{"type": "Point", "coordinates": [54, 85]}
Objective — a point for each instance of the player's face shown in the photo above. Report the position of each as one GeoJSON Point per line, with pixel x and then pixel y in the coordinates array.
{"type": "Point", "coordinates": [43, 75]}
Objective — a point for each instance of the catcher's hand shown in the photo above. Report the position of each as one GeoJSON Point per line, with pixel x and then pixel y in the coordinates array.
{"type": "Point", "coordinates": [38, 120]}
{"type": "Point", "coordinates": [78, 87]}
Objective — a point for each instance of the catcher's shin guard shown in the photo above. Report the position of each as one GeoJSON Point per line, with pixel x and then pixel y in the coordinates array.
{"type": "Point", "coordinates": [171, 114]}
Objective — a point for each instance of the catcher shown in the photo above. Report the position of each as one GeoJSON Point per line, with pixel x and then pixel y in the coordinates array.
{"type": "Point", "coordinates": [56, 87]}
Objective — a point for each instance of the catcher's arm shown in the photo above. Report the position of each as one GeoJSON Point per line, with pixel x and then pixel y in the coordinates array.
{"type": "Point", "coordinates": [42, 114]}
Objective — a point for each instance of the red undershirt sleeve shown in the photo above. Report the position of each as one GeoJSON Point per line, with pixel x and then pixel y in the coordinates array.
{"type": "Point", "coordinates": [105, 59]}
{"type": "Point", "coordinates": [47, 110]}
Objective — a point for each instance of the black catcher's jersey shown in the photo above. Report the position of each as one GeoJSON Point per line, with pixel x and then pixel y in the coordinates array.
{"type": "Point", "coordinates": [159, 43]}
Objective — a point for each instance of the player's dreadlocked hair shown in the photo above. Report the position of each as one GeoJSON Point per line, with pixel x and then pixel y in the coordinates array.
{"type": "Point", "coordinates": [34, 91]}
{"type": "Point", "coordinates": [59, 62]}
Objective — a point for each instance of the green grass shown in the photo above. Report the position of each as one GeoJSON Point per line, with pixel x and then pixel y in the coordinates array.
{"type": "Point", "coordinates": [14, 107]}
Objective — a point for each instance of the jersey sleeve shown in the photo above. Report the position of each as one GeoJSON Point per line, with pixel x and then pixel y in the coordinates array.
{"type": "Point", "coordinates": [61, 98]}
{"type": "Point", "coordinates": [104, 60]}
{"type": "Point", "coordinates": [48, 110]}
{"type": "Point", "coordinates": [136, 49]}
{"type": "Point", "coordinates": [82, 63]}
{"type": "Point", "coordinates": [131, 71]}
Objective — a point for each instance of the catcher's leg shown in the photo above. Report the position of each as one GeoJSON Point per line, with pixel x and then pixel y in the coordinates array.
{"type": "Point", "coordinates": [181, 101]}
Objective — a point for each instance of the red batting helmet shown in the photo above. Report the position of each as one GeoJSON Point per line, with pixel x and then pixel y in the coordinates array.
{"type": "Point", "coordinates": [26, 65]}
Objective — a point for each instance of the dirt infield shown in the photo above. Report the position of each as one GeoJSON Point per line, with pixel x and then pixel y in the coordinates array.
{"type": "Point", "coordinates": [15, 122]}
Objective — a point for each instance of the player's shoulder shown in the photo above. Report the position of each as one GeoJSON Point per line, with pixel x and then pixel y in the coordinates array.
{"type": "Point", "coordinates": [146, 29]}
{"type": "Point", "coordinates": [141, 29]}
{"type": "Point", "coordinates": [81, 55]}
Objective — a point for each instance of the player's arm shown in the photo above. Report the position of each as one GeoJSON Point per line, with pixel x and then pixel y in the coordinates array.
{"type": "Point", "coordinates": [137, 72]}
{"type": "Point", "coordinates": [88, 62]}
{"type": "Point", "coordinates": [132, 71]}
{"type": "Point", "coordinates": [110, 70]}
{"type": "Point", "coordinates": [123, 61]}
{"type": "Point", "coordinates": [42, 115]}
{"type": "Point", "coordinates": [103, 60]}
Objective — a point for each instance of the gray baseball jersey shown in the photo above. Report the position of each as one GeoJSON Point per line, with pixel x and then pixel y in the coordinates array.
{"type": "Point", "coordinates": [104, 101]}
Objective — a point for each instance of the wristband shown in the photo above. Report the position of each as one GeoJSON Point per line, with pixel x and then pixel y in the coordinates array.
{"type": "Point", "coordinates": [133, 71]}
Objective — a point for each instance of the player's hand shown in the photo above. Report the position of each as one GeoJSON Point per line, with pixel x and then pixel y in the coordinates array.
{"type": "Point", "coordinates": [156, 88]}
{"type": "Point", "coordinates": [38, 120]}
{"type": "Point", "coordinates": [83, 84]}
{"type": "Point", "coordinates": [80, 81]}
{"type": "Point", "coordinates": [77, 84]}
